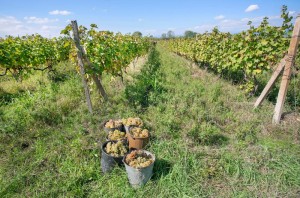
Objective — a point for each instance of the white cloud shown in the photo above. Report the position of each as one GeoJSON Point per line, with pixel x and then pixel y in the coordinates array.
{"type": "Point", "coordinates": [252, 8]}
{"type": "Point", "coordinates": [225, 21]}
{"type": "Point", "coordinates": [9, 25]}
{"type": "Point", "coordinates": [260, 18]}
{"type": "Point", "coordinates": [60, 12]}
{"type": "Point", "coordinates": [9, 20]}
{"type": "Point", "coordinates": [17, 27]}
{"type": "Point", "coordinates": [237, 25]}
{"type": "Point", "coordinates": [274, 17]}
{"type": "Point", "coordinates": [50, 27]}
{"type": "Point", "coordinates": [37, 20]}
{"type": "Point", "coordinates": [204, 27]}
{"type": "Point", "coordinates": [291, 12]}
{"type": "Point", "coordinates": [220, 17]}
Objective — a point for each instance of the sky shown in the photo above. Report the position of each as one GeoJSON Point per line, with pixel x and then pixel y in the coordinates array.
{"type": "Point", "coordinates": [151, 17]}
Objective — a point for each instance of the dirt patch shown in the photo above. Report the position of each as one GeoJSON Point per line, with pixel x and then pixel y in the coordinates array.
{"type": "Point", "coordinates": [136, 64]}
{"type": "Point", "coordinates": [291, 118]}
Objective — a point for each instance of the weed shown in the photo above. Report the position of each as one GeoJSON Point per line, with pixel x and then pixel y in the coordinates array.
{"type": "Point", "coordinates": [148, 84]}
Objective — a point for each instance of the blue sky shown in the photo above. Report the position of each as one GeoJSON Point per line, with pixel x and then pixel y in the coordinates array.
{"type": "Point", "coordinates": [150, 17]}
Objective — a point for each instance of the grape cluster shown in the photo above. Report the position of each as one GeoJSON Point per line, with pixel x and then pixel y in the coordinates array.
{"type": "Point", "coordinates": [133, 121]}
{"type": "Point", "coordinates": [116, 135]}
{"type": "Point", "coordinates": [138, 159]}
{"type": "Point", "coordinates": [117, 149]}
{"type": "Point", "coordinates": [139, 132]}
{"type": "Point", "coordinates": [113, 123]}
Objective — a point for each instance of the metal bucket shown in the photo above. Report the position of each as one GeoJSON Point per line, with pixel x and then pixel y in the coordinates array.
{"type": "Point", "coordinates": [139, 177]}
{"type": "Point", "coordinates": [108, 162]}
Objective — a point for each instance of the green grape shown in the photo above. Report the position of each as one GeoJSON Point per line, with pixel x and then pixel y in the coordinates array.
{"type": "Point", "coordinates": [117, 149]}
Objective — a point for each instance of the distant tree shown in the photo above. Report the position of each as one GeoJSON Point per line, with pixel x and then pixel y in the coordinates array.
{"type": "Point", "coordinates": [189, 34]}
{"type": "Point", "coordinates": [164, 36]}
{"type": "Point", "coordinates": [137, 34]}
{"type": "Point", "coordinates": [170, 34]}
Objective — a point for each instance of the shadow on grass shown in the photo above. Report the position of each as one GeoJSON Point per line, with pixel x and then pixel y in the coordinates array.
{"type": "Point", "coordinates": [161, 168]}
{"type": "Point", "coordinates": [218, 140]}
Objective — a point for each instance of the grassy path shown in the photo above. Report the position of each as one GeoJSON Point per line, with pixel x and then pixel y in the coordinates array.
{"type": "Point", "coordinates": [207, 139]}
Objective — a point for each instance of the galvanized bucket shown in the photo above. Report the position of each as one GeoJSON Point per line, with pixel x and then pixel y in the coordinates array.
{"type": "Point", "coordinates": [108, 162]}
{"type": "Point", "coordinates": [139, 177]}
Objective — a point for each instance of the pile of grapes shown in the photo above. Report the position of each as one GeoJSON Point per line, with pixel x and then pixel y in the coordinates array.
{"type": "Point", "coordinates": [117, 149]}
{"type": "Point", "coordinates": [132, 122]}
{"type": "Point", "coordinates": [113, 124]}
{"type": "Point", "coordinates": [138, 159]}
{"type": "Point", "coordinates": [116, 135]}
{"type": "Point", "coordinates": [138, 132]}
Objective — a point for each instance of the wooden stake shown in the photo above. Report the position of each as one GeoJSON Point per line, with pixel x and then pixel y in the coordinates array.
{"type": "Point", "coordinates": [271, 82]}
{"type": "Point", "coordinates": [287, 71]}
{"type": "Point", "coordinates": [96, 79]}
{"type": "Point", "coordinates": [81, 65]}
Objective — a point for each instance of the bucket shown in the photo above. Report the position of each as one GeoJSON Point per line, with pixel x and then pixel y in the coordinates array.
{"type": "Point", "coordinates": [139, 176]}
{"type": "Point", "coordinates": [137, 142]}
{"type": "Point", "coordinates": [108, 162]}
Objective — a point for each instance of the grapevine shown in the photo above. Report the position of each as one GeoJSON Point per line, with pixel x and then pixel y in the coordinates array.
{"type": "Point", "coordinates": [243, 56]}
{"type": "Point", "coordinates": [21, 55]}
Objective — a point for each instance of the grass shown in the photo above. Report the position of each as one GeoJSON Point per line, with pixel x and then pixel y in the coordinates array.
{"type": "Point", "coordinates": [207, 139]}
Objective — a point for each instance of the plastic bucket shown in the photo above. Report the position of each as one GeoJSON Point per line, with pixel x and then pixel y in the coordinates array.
{"type": "Point", "coordinates": [108, 162]}
{"type": "Point", "coordinates": [137, 142]}
{"type": "Point", "coordinates": [139, 177]}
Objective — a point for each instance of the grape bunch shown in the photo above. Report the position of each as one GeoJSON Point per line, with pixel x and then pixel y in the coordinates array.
{"type": "Point", "coordinates": [139, 132]}
{"type": "Point", "coordinates": [113, 123]}
{"type": "Point", "coordinates": [116, 135]}
{"type": "Point", "coordinates": [133, 121]}
{"type": "Point", "coordinates": [138, 159]}
{"type": "Point", "coordinates": [117, 149]}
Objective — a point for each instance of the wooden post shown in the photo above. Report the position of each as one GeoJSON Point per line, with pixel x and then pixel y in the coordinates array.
{"type": "Point", "coordinates": [81, 65]}
{"type": "Point", "coordinates": [287, 71]}
{"type": "Point", "coordinates": [271, 82]}
{"type": "Point", "coordinates": [97, 80]}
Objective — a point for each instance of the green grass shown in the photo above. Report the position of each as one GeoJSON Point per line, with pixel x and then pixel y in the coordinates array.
{"type": "Point", "coordinates": [208, 140]}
